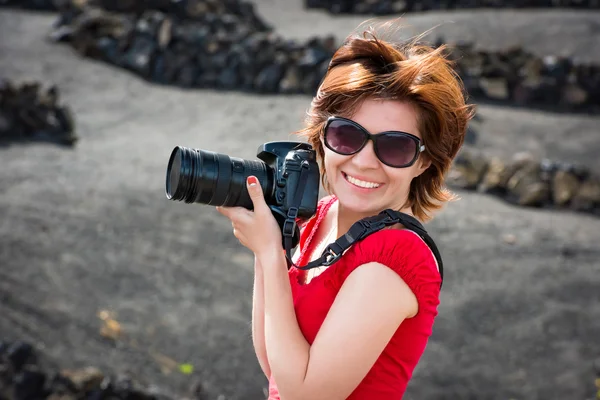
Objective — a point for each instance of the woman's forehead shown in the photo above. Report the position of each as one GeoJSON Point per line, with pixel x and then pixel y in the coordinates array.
{"type": "Point", "coordinates": [387, 115]}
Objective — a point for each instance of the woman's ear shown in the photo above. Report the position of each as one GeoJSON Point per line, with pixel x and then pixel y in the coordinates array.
{"type": "Point", "coordinates": [422, 164]}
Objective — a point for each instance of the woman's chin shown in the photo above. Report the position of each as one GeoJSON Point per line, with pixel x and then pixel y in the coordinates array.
{"type": "Point", "coordinates": [355, 205]}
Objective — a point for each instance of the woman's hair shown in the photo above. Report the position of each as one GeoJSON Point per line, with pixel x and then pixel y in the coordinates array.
{"type": "Point", "coordinates": [366, 66]}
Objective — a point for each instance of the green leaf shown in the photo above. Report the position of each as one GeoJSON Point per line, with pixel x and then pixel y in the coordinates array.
{"type": "Point", "coordinates": [186, 369]}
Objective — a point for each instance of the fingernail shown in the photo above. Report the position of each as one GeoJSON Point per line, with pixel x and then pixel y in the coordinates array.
{"type": "Point", "coordinates": [252, 180]}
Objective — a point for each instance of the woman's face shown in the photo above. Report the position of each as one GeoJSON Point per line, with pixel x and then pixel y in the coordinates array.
{"type": "Point", "coordinates": [387, 187]}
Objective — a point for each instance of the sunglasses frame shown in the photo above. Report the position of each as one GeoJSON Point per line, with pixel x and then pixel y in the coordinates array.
{"type": "Point", "coordinates": [373, 137]}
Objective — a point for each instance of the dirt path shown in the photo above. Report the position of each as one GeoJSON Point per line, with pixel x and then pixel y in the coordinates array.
{"type": "Point", "coordinates": [90, 229]}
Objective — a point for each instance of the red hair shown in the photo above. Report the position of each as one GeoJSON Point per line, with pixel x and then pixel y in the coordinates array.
{"type": "Point", "coordinates": [366, 66]}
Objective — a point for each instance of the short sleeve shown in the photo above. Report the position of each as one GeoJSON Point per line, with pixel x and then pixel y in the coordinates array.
{"type": "Point", "coordinates": [405, 253]}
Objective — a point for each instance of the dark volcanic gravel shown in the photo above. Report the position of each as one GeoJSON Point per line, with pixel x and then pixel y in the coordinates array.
{"type": "Point", "coordinates": [89, 228]}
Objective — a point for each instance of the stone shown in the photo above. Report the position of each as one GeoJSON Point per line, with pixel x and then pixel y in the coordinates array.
{"type": "Point", "coordinates": [574, 95]}
{"type": "Point", "coordinates": [468, 170]}
{"type": "Point", "coordinates": [268, 78]}
{"type": "Point", "coordinates": [587, 197]}
{"type": "Point", "coordinates": [196, 43]}
{"type": "Point", "coordinates": [509, 238]}
{"type": "Point", "coordinates": [140, 55]}
{"type": "Point", "coordinates": [495, 178]}
{"type": "Point", "coordinates": [534, 194]}
{"type": "Point", "coordinates": [165, 33]}
{"type": "Point", "coordinates": [29, 384]}
{"type": "Point", "coordinates": [384, 7]}
{"type": "Point", "coordinates": [31, 381]}
{"type": "Point", "coordinates": [19, 354]}
{"type": "Point", "coordinates": [495, 88]}
{"type": "Point", "coordinates": [30, 113]}
{"type": "Point", "coordinates": [399, 6]}
{"type": "Point", "coordinates": [564, 187]}
{"type": "Point", "coordinates": [527, 181]}
{"type": "Point", "coordinates": [291, 81]}
{"type": "Point", "coordinates": [84, 379]}
{"type": "Point", "coordinates": [524, 186]}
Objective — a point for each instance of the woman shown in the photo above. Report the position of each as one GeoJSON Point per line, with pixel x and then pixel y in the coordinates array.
{"type": "Point", "coordinates": [386, 123]}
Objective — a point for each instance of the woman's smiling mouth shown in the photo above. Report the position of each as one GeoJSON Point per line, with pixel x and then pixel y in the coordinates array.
{"type": "Point", "coordinates": [360, 183]}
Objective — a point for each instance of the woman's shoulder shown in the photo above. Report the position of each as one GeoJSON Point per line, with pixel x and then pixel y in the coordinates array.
{"type": "Point", "coordinates": [399, 241]}
{"type": "Point", "coordinates": [401, 250]}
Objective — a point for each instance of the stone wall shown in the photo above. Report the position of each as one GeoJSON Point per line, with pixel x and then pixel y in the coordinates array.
{"type": "Point", "coordinates": [185, 9]}
{"type": "Point", "coordinates": [28, 112]}
{"type": "Point", "coordinates": [226, 45]}
{"type": "Point", "coordinates": [383, 7]}
{"type": "Point", "coordinates": [518, 77]}
{"type": "Point", "coordinates": [528, 181]}
{"type": "Point", "coordinates": [41, 5]}
{"type": "Point", "coordinates": [219, 50]}
{"type": "Point", "coordinates": [215, 50]}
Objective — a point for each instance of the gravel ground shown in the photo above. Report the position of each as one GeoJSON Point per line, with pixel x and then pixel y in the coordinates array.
{"type": "Point", "coordinates": [89, 228]}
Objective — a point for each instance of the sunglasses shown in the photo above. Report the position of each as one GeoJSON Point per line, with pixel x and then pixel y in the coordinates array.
{"type": "Point", "coordinates": [393, 148]}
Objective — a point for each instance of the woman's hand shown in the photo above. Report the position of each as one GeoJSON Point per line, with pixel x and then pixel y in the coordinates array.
{"type": "Point", "coordinates": [257, 230]}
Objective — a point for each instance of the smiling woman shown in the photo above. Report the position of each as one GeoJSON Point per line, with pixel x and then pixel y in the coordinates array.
{"type": "Point", "coordinates": [386, 123]}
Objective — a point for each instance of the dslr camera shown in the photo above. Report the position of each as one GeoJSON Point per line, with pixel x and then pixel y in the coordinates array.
{"type": "Point", "coordinates": [287, 171]}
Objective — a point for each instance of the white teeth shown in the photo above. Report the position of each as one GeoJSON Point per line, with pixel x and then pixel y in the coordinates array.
{"type": "Point", "coordinates": [363, 184]}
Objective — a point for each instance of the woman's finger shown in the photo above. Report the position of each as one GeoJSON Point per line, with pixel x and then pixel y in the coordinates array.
{"type": "Point", "coordinates": [222, 211]}
{"type": "Point", "coordinates": [256, 195]}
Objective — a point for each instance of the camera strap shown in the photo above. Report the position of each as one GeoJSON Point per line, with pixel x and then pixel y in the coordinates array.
{"type": "Point", "coordinates": [290, 230]}
{"type": "Point", "coordinates": [360, 230]}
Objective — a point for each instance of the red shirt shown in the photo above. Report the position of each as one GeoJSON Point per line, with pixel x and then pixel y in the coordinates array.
{"type": "Point", "coordinates": [404, 252]}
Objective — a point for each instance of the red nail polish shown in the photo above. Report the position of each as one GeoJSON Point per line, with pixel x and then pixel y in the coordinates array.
{"type": "Point", "coordinates": [252, 180]}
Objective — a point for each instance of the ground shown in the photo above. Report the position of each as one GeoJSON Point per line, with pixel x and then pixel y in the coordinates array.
{"type": "Point", "coordinates": [90, 229]}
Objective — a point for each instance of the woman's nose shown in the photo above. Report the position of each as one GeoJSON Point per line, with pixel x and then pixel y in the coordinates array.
{"type": "Point", "coordinates": [366, 157]}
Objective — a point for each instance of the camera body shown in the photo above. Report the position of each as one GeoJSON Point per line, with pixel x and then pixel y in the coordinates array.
{"type": "Point", "coordinates": [288, 173]}
{"type": "Point", "coordinates": [286, 160]}
{"type": "Point", "coordinates": [293, 195]}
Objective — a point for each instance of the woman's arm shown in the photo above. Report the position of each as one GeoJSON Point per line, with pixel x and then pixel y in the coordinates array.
{"type": "Point", "coordinates": [258, 319]}
{"type": "Point", "coordinates": [372, 303]}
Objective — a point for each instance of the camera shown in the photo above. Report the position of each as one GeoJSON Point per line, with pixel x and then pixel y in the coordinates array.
{"type": "Point", "coordinates": [288, 173]}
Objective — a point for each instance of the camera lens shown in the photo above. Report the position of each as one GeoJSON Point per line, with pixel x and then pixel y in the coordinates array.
{"type": "Point", "coordinates": [200, 176]}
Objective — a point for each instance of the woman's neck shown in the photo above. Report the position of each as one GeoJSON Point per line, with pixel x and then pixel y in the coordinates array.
{"type": "Point", "coordinates": [346, 218]}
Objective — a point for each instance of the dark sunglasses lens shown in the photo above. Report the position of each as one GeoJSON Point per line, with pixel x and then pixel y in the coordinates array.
{"type": "Point", "coordinates": [343, 137]}
{"type": "Point", "coordinates": [396, 150]}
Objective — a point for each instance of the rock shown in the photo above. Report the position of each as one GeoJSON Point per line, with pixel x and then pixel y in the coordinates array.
{"type": "Point", "coordinates": [495, 88]}
{"type": "Point", "coordinates": [268, 78]}
{"type": "Point", "coordinates": [527, 181]}
{"type": "Point", "coordinates": [140, 55]}
{"type": "Point", "coordinates": [291, 81]}
{"type": "Point", "coordinates": [587, 198]}
{"type": "Point", "coordinates": [30, 381]}
{"type": "Point", "coordinates": [564, 187]}
{"type": "Point", "coordinates": [384, 7]}
{"type": "Point", "coordinates": [495, 177]}
{"type": "Point", "coordinates": [226, 45]}
{"type": "Point", "coordinates": [29, 113]}
{"type": "Point", "coordinates": [192, 8]}
{"type": "Point", "coordinates": [29, 384]}
{"type": "Point", "coordinates": [525, 186]}
{"type": "Point", "coordinates": [574, 95]}
{"type": "Point", "coordinates": [18, 355]}
{"type": "Point", "coordinates": [509, 238]}
{"type": "Point", "coordinates": [468, 170]}
{"type": "Point", "coordinates": [534, 194]}
{"type": "Point", "coordinates": [85, 379]}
